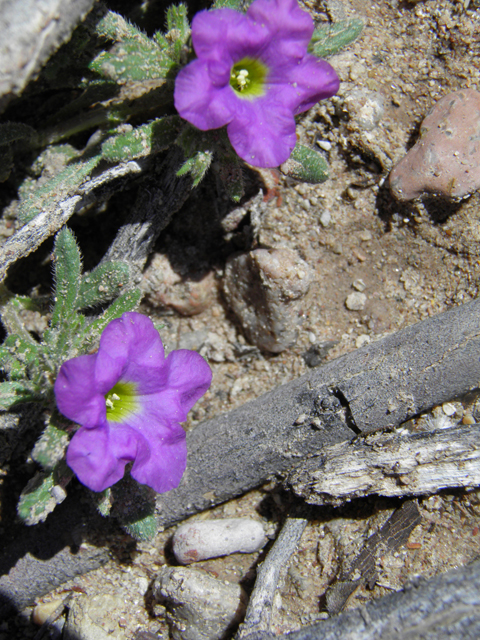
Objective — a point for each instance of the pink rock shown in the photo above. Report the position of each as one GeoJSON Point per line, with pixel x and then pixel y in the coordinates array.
{"type": "Point", "coordinates": [213, 538]}
{"type": "Point", "coordinates": [446, 159]}
{"type": "Point", "coordinates": [164, 288]}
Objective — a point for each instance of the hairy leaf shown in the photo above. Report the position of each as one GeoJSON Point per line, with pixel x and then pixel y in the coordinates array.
{"type": "Point", "coordinates": [306, 165]}
{"type": "Point", "coordinates": [328, 39]}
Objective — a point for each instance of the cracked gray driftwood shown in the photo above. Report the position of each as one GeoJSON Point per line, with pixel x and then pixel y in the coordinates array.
{"type": "Point", "coordinates": [378, 386]}
{"type": "Point", "coordinates": [30, 31]}
{"type": "Point", "coordinates": [391, 464]}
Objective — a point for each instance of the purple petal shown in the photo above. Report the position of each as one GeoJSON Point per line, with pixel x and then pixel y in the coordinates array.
{"type": "Point", "coordinates": [77, 394]}
{"type": "Point", "coordinates": [227, 35]}
{"type": "Point", "coordinates": [315, 80]}
{"type": "Point", "coordinates": [186, 377]}
{"type": "Point", "coordinates": [263, 132]}
{"type": "Point", "coordinates": [160, 462]}
{"type": "Point", "coordinates": [290, 27]}
{"type": "Point", "coordinates": [98, 456]}
{"type": "Point", "coordinates": [198, 101]}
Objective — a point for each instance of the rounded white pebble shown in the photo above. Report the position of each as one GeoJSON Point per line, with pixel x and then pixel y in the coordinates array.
{"type": "Point", "coordinates": [449, 409]}
{"type": "Point", "coordinates": [213, 538]}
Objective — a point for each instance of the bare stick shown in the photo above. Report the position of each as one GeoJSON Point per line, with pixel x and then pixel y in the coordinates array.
{"type": "Point", "coordinates": [259, 611]}
{"type": "Point", "coordinates": [31, 235]}
{"type": "Point", "coordinates": [391, 465]}
{"type": "Point", "coordinates": [378, 386]}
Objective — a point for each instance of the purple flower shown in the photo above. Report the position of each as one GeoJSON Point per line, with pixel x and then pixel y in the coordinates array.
{"type": "Point", "coordinates": [253, 74]}
{"type": "Point", "coordinates": [129, 400]}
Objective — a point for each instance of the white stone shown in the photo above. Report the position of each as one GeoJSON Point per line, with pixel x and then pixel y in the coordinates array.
{"type": "Point", "coordinates": [213, 538]}
{"type": "Point", "coordinates": [362, 340]}
{"type": "Point", "coordinates": [356, 301]}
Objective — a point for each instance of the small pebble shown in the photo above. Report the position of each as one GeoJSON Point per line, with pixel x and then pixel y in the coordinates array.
{"type": "Point", "coordinates": [325, 218]}
{"type": "Point", "coordinates": [213, 538]}
{"type": "Point", "coordinates": [359, 285]}
{"type": "Point", "coordinates": [356, 301]}
{"type": "Point", "coordinates": [365, 235]}
{"type": "Point", "coordinates": [44, 610]}
{"type": "Point", "coordinates": [449, 409]}
{"type": "Point", "coordinates": [362, 340]}
{"type": "Point", "coordinates": [324, 144]}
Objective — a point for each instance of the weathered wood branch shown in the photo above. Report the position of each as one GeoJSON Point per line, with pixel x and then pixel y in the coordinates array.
{"type": "Point", "coordinates": [260, 606]}
{"type": "Point", "coordinates": [30, 31]}
{"type": "Point", "coordinates": [378, 386]}
{"type": "Point", "coordinates": [391, 465]}
{"type": "Point", "coordinates": [30, 236]}
{"type": "Point", "coordinates": [446, 607]}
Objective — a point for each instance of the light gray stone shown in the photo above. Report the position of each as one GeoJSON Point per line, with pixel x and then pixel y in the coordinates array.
{"type": "Point", "coordinates": [356, 301]}
{"type": "Point", "coordinates": [265, 288]}
{"type": "Point", "coordinates": [213, 538]}
{"type": "Point", "coordinates": [199, 607]}
{"type": "Point", "coordinates": [95, 618]}
{"type": "Point", "coordinates": [365, 108]}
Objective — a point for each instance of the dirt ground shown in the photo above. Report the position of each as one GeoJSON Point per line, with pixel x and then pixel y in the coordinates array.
{"type": "Point", "coordinates": [414, 260]}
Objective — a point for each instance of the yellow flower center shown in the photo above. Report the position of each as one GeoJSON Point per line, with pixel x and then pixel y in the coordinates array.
{"type": "Point", "coordinates": [247, 78]}
{"type": "Point", "coordinates": [121, 401]}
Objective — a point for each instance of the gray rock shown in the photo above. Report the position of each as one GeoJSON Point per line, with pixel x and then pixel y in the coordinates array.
{"type": "Point", "coordinates": [446, 159]}
{"type": "Point", "coordinates": [213, 538]}
{"type": "Point", "coordinates": [265, 289]}
{"type": "Point", "coordinates": [95, 618]}
{"type": "Point", "coordinates": [356, 301]}
{"type": "Point", "coordinates": [199, 607]}
{"type": "Point", "coordinates": [365, 108]}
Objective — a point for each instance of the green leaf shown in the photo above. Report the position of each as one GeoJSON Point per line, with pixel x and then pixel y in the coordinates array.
{"type": "Point", "coordinates": [103, 501]}
{"type": "Point", "coordinates": [24, 352]}
{"type": "Point", "coordinates": [132, 60]}
{"type": "Point", "coordinates": [42, 494]}
{"type": "Point", "coordinates": [68, 269]}
{"type": "Point", "coordinates": [13, 393]}
{"type": "Point", "coordinates": [238, 5]}
{"type": "Point", "coordinates": [142, 529]}
{"type": "Point", "coordinates": [144, 140]}
{"type": "Point", "coordinates": [128, 301]}
{"type": "Point", "coordinates": [197, 166]}
{"type": "Point", "coordinates": [328, 39]}
{"type": "Point", "coordinates": [102, 284]}
{"type": "Point", "coordinates": [114, 27]}
{"type": "Point", "coordinates": [56, 189]}
{"type": "Point", "coordinates": [50, 447]}
{"type": "Point", "coordinates": [14, 131]}
{"type": "Point", "coordinates": [306, 165]}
